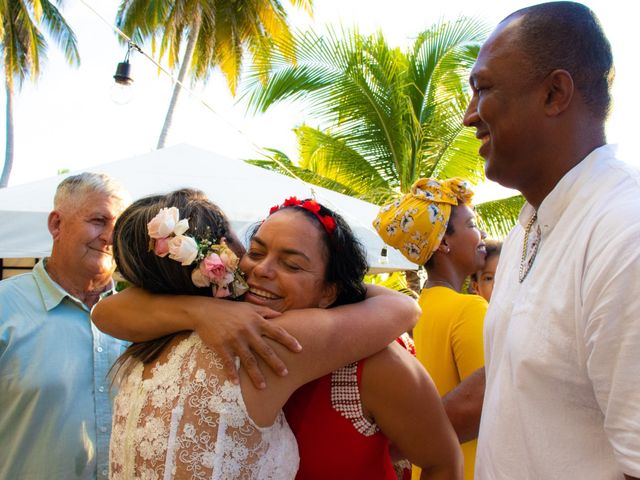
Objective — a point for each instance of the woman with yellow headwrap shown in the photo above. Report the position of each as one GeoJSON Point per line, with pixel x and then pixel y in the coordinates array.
{"type": "Point", "coordinates": [435, 227]}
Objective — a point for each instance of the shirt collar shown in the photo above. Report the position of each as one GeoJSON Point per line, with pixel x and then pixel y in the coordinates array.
{"type": "Point", "coordinates": [52, 293]}
{"type": "Point", "coordinates": [565, 191]}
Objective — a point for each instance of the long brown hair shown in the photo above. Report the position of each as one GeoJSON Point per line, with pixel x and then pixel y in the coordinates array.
{"type": "Point", "coordinates": [141, 267]}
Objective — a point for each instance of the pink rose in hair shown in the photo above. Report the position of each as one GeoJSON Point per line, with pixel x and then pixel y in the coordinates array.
{"type": "Point", "coordinates": [213, 268]}
{"type": "Point", "coordinates": [161, 247]}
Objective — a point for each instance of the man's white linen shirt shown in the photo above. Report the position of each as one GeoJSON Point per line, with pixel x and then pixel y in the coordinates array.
{"type": "Point", "coordinates": [562, 348]}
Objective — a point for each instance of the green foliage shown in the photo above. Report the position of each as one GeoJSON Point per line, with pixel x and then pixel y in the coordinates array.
{"type": "Point", "coordinates": [385, 117]}
{"type": "Point", "coordinates": [498, 217]}
{"type": "Point", "coordinates": [23, 44]}
{"type": "Point", "coordinates": [23, 41]}
{"type": "Point", "coordinates": [395, 281]}
{"type": "Point", "coordinates": [222, 29]}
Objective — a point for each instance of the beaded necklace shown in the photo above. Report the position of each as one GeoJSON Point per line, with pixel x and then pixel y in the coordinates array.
{"type": "Point", "coordinates": [529, 256]}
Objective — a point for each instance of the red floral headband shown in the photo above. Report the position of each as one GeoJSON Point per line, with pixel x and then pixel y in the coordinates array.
{"type": "Point", "coordinates": [312, 206]}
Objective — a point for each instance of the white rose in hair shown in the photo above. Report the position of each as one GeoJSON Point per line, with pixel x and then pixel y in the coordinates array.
{"type": "Point", "coordinates": [163, 224]}
{"type": "Point", "coordinates": [183, 249]}
{"type": "Point", "coordinates": [181, 227]}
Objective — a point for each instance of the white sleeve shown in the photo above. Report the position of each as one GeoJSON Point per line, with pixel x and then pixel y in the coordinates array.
{"type": "Point", "coordinates": [212, 434]}
{"type": "Point", "coordinates": [611, 316]}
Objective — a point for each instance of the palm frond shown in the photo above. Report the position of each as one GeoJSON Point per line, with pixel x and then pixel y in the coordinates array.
{"type": "Point", "coordinates": [387, 117]}
{"type": "Point", "coordinates": [277, 161]}
{"type": "Point", "coordinates": [332, 158]}
{"type": "Point", "coordinates": [498, 217]}
{"type": "Point", "coordinates": [61, 32]}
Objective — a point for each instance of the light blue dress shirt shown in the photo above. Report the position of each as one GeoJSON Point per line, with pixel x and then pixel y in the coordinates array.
{"type": "Point", "coordinates": [55, 403]}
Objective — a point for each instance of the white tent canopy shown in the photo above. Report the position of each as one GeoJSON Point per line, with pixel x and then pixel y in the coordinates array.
{"type": "Point", "coordinates": [244, 192]}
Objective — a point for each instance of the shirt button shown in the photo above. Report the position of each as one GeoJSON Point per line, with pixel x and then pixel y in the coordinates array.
{"type": "Point", "coordinates": [101, 389]}
{"type": "Point", "coordinates": [103, 429]}
{"type": "Point", "coordinates": [104, 472]}
{"type": "Point", "coordinates": [99, 349]}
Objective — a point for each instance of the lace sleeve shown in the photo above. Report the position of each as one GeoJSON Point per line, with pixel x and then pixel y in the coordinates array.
{"type": "Point", "coordinates": [189, 421]}
{"type": "Point", "coordinates": [211, 433]}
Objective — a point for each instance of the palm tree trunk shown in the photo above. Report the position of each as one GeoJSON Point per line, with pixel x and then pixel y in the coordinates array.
{"type": "Point", "coordinates": [8, 158]}
{"type": "Point", "coordinates": [186, 61]}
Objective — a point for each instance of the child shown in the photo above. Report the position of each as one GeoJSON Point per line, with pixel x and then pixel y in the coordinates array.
{"type": "Point", "coordinates": [482, 280]}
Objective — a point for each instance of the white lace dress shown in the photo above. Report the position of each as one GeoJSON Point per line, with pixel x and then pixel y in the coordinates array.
{"type": "Point", "coordinates": [189, 421]}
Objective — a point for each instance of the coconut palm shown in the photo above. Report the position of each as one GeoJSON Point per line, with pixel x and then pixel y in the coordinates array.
{"type": "Point", "coordinates": [23, 45]}
{"type": "Point", "coordinates": [216, 33]}
{"type": "Point", "coordinates": [386, 117]}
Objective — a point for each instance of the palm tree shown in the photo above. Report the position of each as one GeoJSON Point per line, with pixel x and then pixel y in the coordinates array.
{"type": "Point", "coordinates": [387, 117]}
{"type": "Point", "coordinates": [216, 33]}
{"type": "Point", "coordinates": [23, 44]}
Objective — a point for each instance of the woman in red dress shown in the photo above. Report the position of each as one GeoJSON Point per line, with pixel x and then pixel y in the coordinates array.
{"type": "Point", "coordinates": [346, 422]}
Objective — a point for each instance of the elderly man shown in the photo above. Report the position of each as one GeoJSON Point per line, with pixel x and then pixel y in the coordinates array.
{"type": "Point", "coordinates": [54, 394]}
{"type": "Point", "coordinates": [562, 333]}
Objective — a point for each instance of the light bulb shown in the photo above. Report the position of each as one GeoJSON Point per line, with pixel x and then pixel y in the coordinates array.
{"type": "Point", "coordinates": [383, 259]}
{"type": "Point", "coordinates": [121, 93]}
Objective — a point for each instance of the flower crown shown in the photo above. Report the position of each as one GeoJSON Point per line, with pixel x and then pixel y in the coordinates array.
{"type": "Point", "coordinates": [217, 264]}
{"type": "Point", "coordinates": [312, 206]}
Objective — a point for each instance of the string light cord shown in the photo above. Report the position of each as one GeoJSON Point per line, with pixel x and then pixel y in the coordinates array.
{"type": "Point", "coordinates": [133, 45]}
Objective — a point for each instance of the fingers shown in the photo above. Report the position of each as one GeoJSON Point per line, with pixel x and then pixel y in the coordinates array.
{"type": "Point", "coordinates": [268, 313]}
{"type": "Point", "coordinates": [265, 312]}
{"type": "Point", "coordinates": [247, 359]}
{"type": "Point", "coordinates": [254, 344]}
{"type": "Point", "coordinates": [269, 357]}
{"type": "Point", "coordinates": [229, 364]}
{"type": "Point", "coordinates": [280, 335]}
{"type": "Point", "coordinates": [250, 365]}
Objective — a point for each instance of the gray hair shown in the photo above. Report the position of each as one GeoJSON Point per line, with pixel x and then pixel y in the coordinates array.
{"type": "Point", "coordinates": [87, 182]}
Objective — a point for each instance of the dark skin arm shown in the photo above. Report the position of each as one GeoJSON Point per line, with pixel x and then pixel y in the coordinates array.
{"type": "Point", "coordinates": [463, 405]}
{"type": "Point", "coordinates": [398, 394]}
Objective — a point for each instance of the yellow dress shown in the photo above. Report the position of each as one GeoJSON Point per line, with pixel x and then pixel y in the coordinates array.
{"type": "Point", "coordinates": [449, 343]}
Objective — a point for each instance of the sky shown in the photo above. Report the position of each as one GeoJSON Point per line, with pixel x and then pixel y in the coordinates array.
{"type": "Point", "coordinates": [68, 120]}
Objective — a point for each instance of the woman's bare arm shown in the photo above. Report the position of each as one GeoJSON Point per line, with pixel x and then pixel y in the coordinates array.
{"type": "Point", "coordinates": [334, 337]}
{"type": "Point", "coordinates": [331, 338]}
{"type": "Point", "coordinates": [236, 328]}
{"type": "Point", "coordinates": [399, 394]}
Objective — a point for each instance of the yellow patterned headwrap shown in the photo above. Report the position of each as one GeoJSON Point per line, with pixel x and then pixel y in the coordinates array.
{"type": "Point", "coordinates": [416, 223]}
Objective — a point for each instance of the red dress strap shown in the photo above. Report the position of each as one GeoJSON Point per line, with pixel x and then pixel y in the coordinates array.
{"type": "Point", "coordinates": [326, 418]}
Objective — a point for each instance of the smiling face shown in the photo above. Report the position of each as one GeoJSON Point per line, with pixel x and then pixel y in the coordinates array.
{"type": "Point", "coordinates": [286, 263]}
{"type": "Point", "coordinates": [466, 244]}
{"type": "Point", "coordinates": [83, 234]}
{"type": "Point", "coordinates": [484, 285]}
{"type": "Point", "coordinates": [506, 108]}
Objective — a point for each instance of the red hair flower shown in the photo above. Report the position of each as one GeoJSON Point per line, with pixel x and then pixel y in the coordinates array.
{"type": "Point", "coordinates": [312, 206]}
